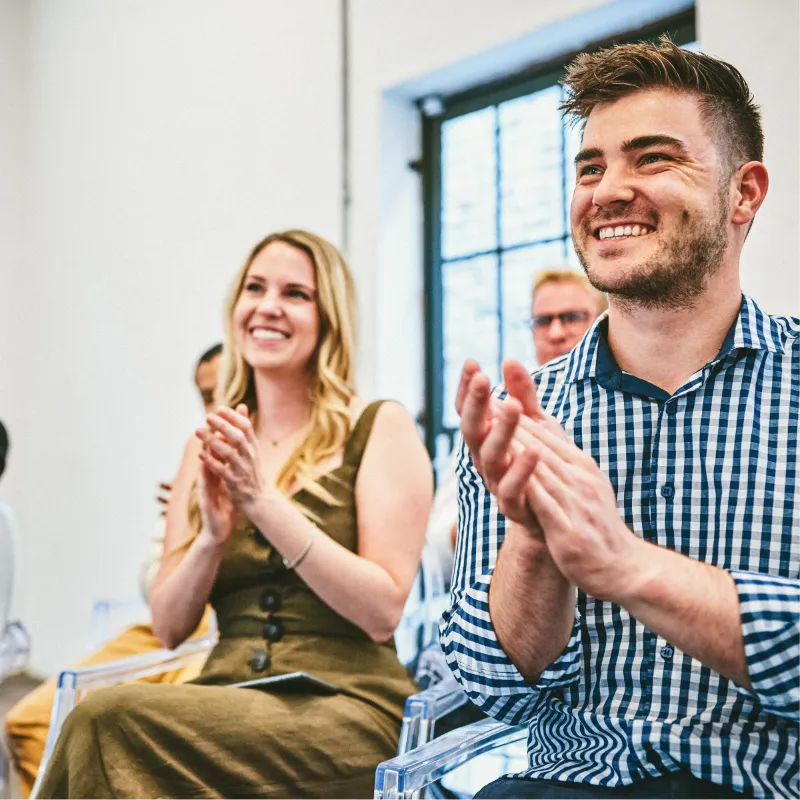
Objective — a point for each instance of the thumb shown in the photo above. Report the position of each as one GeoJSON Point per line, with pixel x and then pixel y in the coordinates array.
{"type": "Point", "coordinates": [242, 409]}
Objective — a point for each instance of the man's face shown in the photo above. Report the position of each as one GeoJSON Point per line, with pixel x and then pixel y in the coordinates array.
{"type": "Point", "coordinates": [650, 213]}
{"type": "Point", "coordinates": [562, 312]}
{"type": "Point", "coordinates": [206, 380]}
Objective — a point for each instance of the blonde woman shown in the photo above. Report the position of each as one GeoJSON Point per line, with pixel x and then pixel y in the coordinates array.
{"type": "Point", "coordinates": [299, 512]}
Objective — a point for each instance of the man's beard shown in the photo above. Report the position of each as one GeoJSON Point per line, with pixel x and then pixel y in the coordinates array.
{"type": "Point", "coordinates": [673, 277]}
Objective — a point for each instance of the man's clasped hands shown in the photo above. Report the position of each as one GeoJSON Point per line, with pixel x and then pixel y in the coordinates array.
{"type": "Point", "coordinates": [546, 484]}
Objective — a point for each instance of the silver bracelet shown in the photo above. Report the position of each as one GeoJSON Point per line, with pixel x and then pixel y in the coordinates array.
{"type": "Point", "coordinates": [299, 560]}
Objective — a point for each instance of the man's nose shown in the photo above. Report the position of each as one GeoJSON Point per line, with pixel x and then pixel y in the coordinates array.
{"type": "Point", "coordinates": [616, 186]}
{"type": "Point", "coordinates": [557, 329]}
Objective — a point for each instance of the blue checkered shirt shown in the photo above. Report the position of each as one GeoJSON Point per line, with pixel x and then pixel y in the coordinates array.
{"type": "Point", "coordinates": [711, 472]}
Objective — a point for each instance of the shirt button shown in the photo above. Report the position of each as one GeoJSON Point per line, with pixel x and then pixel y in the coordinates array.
{"type": "Point", "coordinates": [672, 409]}
{"type": "Point", "coordinates": [667, 652]}
{"type": "Point", "coordinates": [259, 661]}
{"type": "Point", "coordinates": [270, 601]}
{"type": "Point", "coordinates": [667, 490]}
{"type": "Point", "coordinates": [273, 630]}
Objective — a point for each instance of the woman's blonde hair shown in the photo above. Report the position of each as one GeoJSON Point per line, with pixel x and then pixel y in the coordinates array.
{"type": "Point", "coordinates": [331, 366]}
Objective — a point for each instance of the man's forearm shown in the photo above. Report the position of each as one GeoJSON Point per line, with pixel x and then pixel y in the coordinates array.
{"type": "Point", "coordinates": [531, 604]}
{"type": "Point", "coordinates": [693, 605]}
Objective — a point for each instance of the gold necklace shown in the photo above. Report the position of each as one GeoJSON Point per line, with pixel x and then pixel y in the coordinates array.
{"type": "Point", "coordinates": [276, 442]}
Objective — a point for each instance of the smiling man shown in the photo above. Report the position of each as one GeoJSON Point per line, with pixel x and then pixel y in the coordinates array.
{"type": "Point", "coordinates": [642, 614]}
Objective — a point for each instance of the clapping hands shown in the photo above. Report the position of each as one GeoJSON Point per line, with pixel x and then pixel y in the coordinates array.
{"type": "Point", "coordinates": [544, 482]}
{"type": "Point", "coordinates": [229, 480]}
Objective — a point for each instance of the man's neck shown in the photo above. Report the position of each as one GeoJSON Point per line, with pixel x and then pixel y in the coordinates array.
{"type": "Point", "coordinates": [665, 347]}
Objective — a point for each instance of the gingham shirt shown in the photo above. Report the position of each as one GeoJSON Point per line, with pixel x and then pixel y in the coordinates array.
{"type": "Point", "coordinates": [711, 472]}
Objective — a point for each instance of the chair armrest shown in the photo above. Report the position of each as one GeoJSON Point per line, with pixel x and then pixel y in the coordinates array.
{"type": "Point", "coordinates": [423, 709]}
{"type": "Point", "coordinates": [73, 683]}
{"type": "Point", "coordinates": [399, 777]}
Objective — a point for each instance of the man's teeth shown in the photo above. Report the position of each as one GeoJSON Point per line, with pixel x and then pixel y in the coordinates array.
{"type": "Point", "coordinates": [260, 333]}
{"type": "Point", "coordinates": [624, 230]}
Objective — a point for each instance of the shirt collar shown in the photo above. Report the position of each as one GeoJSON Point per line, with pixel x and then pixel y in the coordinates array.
{"type": "Point", "coordinates": [752, 330]}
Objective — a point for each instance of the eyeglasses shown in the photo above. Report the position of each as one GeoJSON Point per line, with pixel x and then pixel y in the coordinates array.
{"type": "Point", "coordinates": [566, 318]}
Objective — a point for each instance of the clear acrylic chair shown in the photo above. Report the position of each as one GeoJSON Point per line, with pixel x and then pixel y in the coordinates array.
{"type": "Point", "coordinates": [409, 774]}
{"type": "Point", "coordinates": [416, 640]}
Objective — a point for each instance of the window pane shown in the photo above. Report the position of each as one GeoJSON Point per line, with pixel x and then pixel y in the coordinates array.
{"type": "Point", "coordinates": [519, 269]}
{"type": "Point", "coordinates": [470, 323]}
{"type": "Point", "coordinates": [531, 181]}
{"type": "Point", "coordinates": [469, 163]}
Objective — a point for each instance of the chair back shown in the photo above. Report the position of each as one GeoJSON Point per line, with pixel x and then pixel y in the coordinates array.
{"type": "Point", "coordinates": [419, 625]}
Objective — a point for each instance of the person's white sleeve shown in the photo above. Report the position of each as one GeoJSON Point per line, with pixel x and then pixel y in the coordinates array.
{"type": "Point", "coordinates": [152, 564]}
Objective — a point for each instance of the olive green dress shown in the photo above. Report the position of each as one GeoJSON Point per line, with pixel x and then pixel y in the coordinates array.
{"type": "Point", "coordinates": [207, 740]}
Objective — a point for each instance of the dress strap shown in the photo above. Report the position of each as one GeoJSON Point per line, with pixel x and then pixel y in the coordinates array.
{"type": "Point", "coordinates": [359, 436]}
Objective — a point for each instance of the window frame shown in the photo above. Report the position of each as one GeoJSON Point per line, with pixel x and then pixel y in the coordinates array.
{"type": "Point", "coordinates": [681, 27]}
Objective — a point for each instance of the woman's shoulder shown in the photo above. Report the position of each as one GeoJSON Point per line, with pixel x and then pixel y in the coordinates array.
{"type": "Point", "coordinates": [379, 415]}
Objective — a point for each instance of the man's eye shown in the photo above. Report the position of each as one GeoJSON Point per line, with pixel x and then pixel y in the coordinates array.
{"type": "Point", "coordinates": [654, 158]}
{"type": "Point", "coordinates": [589, 169]}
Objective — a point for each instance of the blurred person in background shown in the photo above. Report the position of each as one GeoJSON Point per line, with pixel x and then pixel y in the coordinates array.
{"type": "Point", "coordinates": [27, 723]}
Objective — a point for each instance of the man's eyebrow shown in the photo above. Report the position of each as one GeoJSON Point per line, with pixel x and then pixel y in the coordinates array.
{"type": "Point", "coordinates": [588, 153]}
{"type": "Point", "coordinates": [654, 140]}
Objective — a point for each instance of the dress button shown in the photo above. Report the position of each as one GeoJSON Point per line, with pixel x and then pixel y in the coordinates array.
{"type": "Point", "coordinates": [273, 630]}
{"type": "Point", "coordinates": [667, 652]}
{"type": "Point", "coordinates": [259, 661]}
{"type": "Point", "coordinates": [667, 490]}
{"type": "Point", "coordinates": [270, 601]}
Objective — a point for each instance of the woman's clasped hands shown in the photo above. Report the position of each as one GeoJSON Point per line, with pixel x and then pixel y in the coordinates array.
{"type": "Point", "coordinates": [229, 481]}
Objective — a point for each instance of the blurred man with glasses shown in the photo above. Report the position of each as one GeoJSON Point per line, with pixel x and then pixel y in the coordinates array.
{"type": "Point", "coordinates": [565, 305]}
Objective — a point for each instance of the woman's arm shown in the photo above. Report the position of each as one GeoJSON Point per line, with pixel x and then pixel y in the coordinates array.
{"type": "Point", "coordinates": [393, 494]}
{"type": "Point", "coordinates": [183, 584]}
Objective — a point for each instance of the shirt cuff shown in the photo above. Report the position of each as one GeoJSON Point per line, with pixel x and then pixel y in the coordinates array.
{"type": "Point", "coordinates": [484, 670]}
{"type": "Point", "coordinates": [769, 607]}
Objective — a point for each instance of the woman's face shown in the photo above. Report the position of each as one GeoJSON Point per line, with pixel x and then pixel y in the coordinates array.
{"type": "Point", "coordinates": [276, 320]}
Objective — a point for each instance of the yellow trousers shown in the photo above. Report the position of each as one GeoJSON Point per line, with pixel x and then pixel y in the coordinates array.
{"type": "Point", "coordinates": [28, 721]}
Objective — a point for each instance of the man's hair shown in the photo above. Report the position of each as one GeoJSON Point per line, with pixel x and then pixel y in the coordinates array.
{"type": "Point", "coordinates": [726, 103]}
{"type": "Point", "coordinates": [212, 352]}
{"type": "Point", "coordinates": [3, 447]}
{"type": "Point", "coordinates": [567, 275]}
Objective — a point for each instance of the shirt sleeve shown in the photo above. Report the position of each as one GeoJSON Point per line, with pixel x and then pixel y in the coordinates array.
{"type": "Point", "coordinates": [468, 637]}
{"type": "Point", "coordinates": [149, 571]}
{"type": "Point", "coordinates": [770, 612]}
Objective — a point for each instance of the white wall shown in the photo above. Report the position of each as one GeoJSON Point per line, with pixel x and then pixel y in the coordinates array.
{"type": "Point", "coordinates": [148, 143]}
{"type": "Point", "coordinates": [163, 139]}
{"type": "Point", "coordinates": [12, 67]}
{"type": "Point", "coordinates": [761, 40]}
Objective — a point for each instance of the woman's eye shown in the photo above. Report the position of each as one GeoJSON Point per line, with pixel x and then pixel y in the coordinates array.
{"type": "Point", "coordinates": [298, 293]}
{"type": "Point", "coordinates": [253, 287]}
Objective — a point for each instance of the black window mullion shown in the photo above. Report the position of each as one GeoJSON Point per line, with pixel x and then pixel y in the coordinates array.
{"type": "Point", "coordinates": [498, 211]}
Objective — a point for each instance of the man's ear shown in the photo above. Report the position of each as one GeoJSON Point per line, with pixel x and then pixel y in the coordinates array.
{"type": "Point", "coordinates": [751, 184]}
